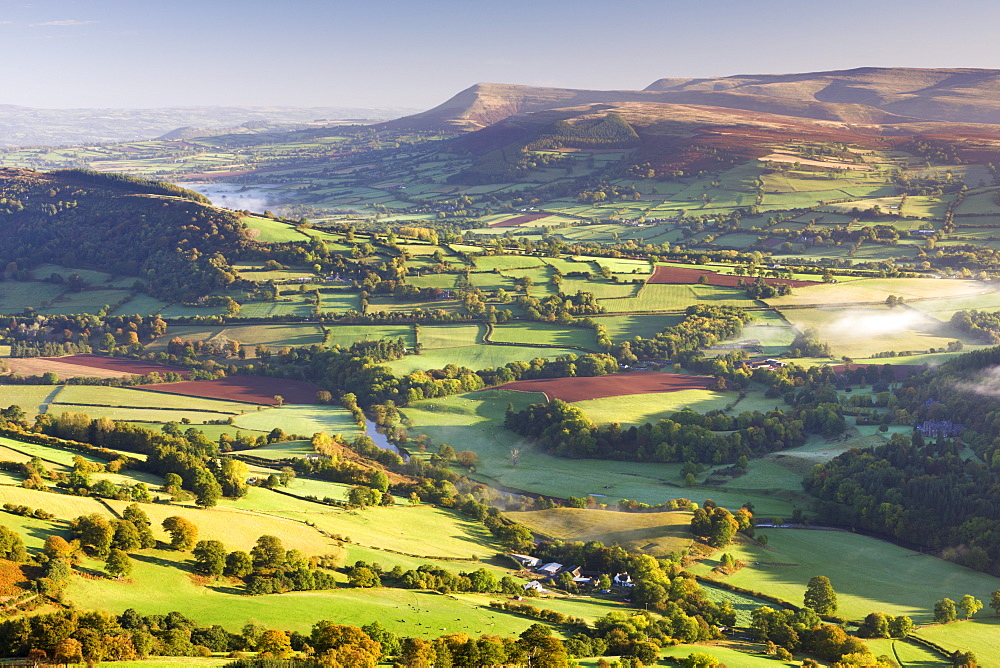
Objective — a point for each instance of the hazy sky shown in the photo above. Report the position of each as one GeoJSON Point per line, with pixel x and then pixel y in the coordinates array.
{"type": "Point", "coordinates": [416, 53]}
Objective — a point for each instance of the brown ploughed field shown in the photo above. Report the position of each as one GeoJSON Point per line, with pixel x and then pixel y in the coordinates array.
{"type": "Point", "coordinates": [89, 366]}
{"type": "Point", "coordinates": [251, 389]}
{"type": "Point", "coordinates": [514, 222]}
{"type": "Point", "coordinates": [686, 276]}
{"type": "Point", "coordinates": [612, 385]}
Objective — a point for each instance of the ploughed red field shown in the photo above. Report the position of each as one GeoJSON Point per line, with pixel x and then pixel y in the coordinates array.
{"type": "Point", "coordinates": [686, 276]}
{"type": "Point", "coordinates": [514, 222]}
{"type": "Point", "coordinates": [251, 389]}
{"type": "Point", "coordinates": [121, 364]}
{"type": "Point", "coordinates": [611, 385]}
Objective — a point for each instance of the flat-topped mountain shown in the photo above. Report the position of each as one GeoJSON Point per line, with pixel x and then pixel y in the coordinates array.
{"type": "Point", "coordinates": [863, 95]}
{"type": "Point", "coordinates": [962, 95]}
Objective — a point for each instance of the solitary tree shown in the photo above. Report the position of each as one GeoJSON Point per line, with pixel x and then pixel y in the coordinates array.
{"type": "Point", "coordinates": [118, 564]}
{"type": "Point", "coordinates": [820, 595]}
{"type": "Point", "coordinates": [279, 400]}
{"type": "Point", "coordinates": [970, 605]}
{"type": "Point", "coordinates": [995, 601]}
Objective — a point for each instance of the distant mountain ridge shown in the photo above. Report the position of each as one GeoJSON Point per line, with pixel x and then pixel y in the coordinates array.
{"type": "Point", "coordinates": [869, 95]}
{"type": "Point", "coordinates": [26, 126]}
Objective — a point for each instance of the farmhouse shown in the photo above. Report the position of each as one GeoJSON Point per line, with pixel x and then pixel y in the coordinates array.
{"type": "Point", "coordinates": [622, 580]}
{"type": "Point", "coordinates": [939, 429]}
{"type": "Point", "coordinates": [534, 585]}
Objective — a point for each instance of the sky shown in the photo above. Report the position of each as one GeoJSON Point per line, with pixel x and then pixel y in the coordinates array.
{"type": "Point", "coordinates": [417, 53]}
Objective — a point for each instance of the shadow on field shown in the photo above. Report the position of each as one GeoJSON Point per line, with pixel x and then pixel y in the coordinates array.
{"type": "Point", "coordinates": [159, 561]}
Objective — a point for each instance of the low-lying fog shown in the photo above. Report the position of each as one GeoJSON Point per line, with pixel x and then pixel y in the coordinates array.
{"type": "Point", "coordinates": [235, 196]}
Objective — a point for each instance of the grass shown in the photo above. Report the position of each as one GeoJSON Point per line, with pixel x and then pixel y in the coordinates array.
{"type": "Point", "coordinates": [31, 398]}
{"type": "Point", "coordinates": [627, 327]}
{"type": "Point", "coordinates": [303, 420]}
{"type": "Point", "coordinates": [159, 586]}
{"type": "Point", "coordinates": [15, 296]}
{"type": "Point", "coordinates": [450, 336]}
{"type": "Point", "coordinates": [470, 421]}
{"type": "Point", "coordinates": [743, 605]}
{"type": "Point", "coordinates": [744, 655]}
{"type": "Point", "coordinates": [125, 397]}
{"type": "Point", "coordinates": [136, 414]}
{"type": "Point", "coordinates": [425, 531]}
{"type": "Point", "coordinates": [90, 301]}
{"type": "Point", "coordinates": [271, 231]}
{"type": "Point", "coordinates": [979, 635]}
{"type": "Point", "coordinates": [876, 290]}
{"type": "Point", "coordinates": [632, 409]}
{"type": "Point", "coordinates": [62, 506]}
{"type": "Point", "coordinates": [658, 534]}
{"type": "Point", "coordinates": [868, 574]}
{"type": "Point", "coordinates": [32, 531]}
{"type": "Point", "coordinates": [548, 335]}
{"type": "Point", "coordinates": [657, 297]}
{"type": "Point", "coordinates": [249, 335]}
{"type": "Point", "coordinates": [862, 332]}
{"type": "Point", "coordinates": [474, 357]}
{"type": "Point", "coordinates": [346, 335]}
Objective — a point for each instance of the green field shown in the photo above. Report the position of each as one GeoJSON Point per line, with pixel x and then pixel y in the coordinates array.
{"type": "Point", "coordinates": [978, 634]}
{"type": "Point", "coordinates": [126, 397]}
{"type": "Point", "coordinates": [474, 357]}
{"type": "Point", "coordinates": [876, 290]}
{"type": "Point", "coordinates": [302, 420]}
{"type": "Point", "coordinates": [624, 327]}
{"type": "Point", "coordinates": [346, 335]}
{"type": "Point", "coordinates": [271, 231]}
{"type": "Point", "coordinates": [659, 534]}
{"type": "Point", "coordinates": [868, 574]}
{"type": "Point", "coordinates": [274, 336]}
{"type": "Point", "coordinates": [31, 398]}
{"type": "Point", "coordinates": [450, 336]}
{"type": "Point", "coordinates": [632, 409]}
{"type": "Point", "coordinates": [862, 332]}
{"type": "Point", "coordinates": [468, 421]}
{"type": "Point", "coordinates": [543, 334]}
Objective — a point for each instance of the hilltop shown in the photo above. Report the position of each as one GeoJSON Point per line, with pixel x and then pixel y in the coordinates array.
{"type": "Point", "coordinates": [863, 95]}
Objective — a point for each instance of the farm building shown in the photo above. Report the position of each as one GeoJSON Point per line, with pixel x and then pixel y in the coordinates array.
{"type": "Point", "coordinates": [549, 569]}
{"type": "Point", "coordinates": [525, 560]}
{"type": "Point", "coordinates": [534, 584]}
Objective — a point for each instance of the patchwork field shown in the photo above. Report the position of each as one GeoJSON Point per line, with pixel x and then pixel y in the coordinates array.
{"type": "Point", "coordinates": [469, 421]}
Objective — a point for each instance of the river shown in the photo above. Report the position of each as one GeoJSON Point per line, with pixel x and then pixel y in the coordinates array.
{"type": "Point", "coordinates": [380, 439]}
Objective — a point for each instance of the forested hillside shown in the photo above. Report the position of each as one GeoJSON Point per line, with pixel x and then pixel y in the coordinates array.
{"type": "Point", "coordinates": [166, 236]}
